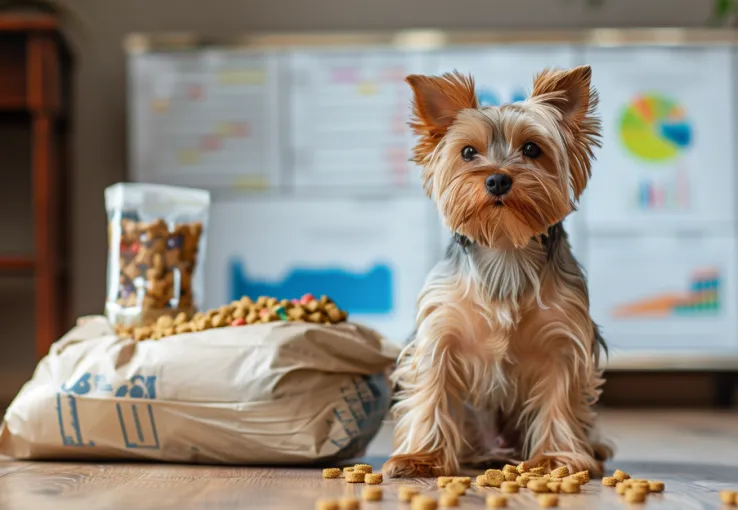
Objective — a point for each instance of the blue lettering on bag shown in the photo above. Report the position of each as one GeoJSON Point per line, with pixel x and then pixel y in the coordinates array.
{"type": "Point", "coordinates": [136, 419]}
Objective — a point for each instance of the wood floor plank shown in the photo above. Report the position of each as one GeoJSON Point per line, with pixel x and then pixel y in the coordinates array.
{"type": "Point", "coordinates": [61, 486]}
{"type": "Point", "coordinates": [704, 461]}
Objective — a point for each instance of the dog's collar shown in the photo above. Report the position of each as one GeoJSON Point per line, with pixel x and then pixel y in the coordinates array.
{"type": "Point", "coordinates": [462, 240]}
{"type": "Point", "coordinates": [465, 242]}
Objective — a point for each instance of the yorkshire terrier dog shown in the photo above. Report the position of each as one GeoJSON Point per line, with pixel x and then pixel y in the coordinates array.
{"type": "Point", "coordinates": [504, 364]}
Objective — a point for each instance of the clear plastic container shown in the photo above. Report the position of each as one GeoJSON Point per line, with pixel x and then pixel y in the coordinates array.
{"type": "Point", "coordinates": [156, 251]}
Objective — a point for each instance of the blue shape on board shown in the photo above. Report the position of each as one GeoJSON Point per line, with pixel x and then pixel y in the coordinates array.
{"type": "Point", "coordinates": [361, 293]}
{"type": "Point", "coordinates": [680, 133]}
{"type": "Point", "coordinates": [518, 96]}
{"type": "Point", "coordinates": [488, 98]}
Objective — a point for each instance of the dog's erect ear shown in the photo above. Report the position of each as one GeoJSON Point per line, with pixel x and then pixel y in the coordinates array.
{"type": "Point", "coordinates": [568, 91]}
{"type": "Point", "coordinates": [436, 102]}
{"type": "Point", "coordinates": [571, 94]}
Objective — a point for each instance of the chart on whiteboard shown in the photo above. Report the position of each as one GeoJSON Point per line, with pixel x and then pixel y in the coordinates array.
{"type": "Point", "coordinates": [664, 293]}
{"type": "Point", "coordinates": [504, 75]}
{"type": "Point", "coordinates": [668, 129]}
{"type": "Point", "coordinates": [370, 256]}
{"type": "Point", "coordinates": [205, 119]}
{"type": "Point", "coordinates": [349, 113]}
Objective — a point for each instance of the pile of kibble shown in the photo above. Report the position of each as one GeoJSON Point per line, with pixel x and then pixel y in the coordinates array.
{"type": "Point", "coordinates": [496, 484]}
{"type": "Point", "coordinates": [240, 313]}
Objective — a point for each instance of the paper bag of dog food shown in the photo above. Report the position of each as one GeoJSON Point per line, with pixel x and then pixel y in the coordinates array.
{"type": "Point", "coordinates": [273, 393]}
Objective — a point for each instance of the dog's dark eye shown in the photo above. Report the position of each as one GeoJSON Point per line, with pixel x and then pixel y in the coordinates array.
{"type": "Point", "coordinates": [531, 150]}
{"type": "Point", "coordinates": [468, 153]}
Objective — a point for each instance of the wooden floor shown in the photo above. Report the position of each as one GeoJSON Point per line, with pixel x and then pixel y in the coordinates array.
{"type": "Point", "coordinates": [695, 454]}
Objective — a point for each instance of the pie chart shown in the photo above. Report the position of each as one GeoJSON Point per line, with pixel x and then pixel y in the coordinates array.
{"type": "Point", "coordinates": [655, 128]}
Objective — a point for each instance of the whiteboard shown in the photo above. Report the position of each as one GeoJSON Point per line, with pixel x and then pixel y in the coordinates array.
{"type": "Point", "coordinates": [371, 256]}
{"type": "Point", "coordinates": [504, 74]}
{"type": "Point", "coordinates": [348, 119]}
{"type": "Point", "coordinates": [668, 124]}
{"type": "Point", "coordinates": [205, 119]}
{"type": "Point", "coordinates": [665, 293]}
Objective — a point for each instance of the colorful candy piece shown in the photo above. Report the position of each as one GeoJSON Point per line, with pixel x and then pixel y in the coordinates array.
{"type": "Point", "coordinates": [280, 310]}
{"type": "Point", "coordinates": [238, 322]}
{"type": "Point", "coordinates": [306, 299]}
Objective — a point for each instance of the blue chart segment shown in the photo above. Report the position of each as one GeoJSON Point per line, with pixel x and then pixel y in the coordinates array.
{"type": "Point", "coordinates": [367, 292]}
{"type": "Point", "coordinates": [488, 97]}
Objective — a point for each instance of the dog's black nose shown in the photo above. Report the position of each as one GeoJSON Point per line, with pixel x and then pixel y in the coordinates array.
{"type": "Point", "coordinates": [498, 184]}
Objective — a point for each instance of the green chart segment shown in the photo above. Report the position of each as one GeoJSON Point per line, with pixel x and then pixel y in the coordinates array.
{"type": "Point", "coordinates": [654, 128]}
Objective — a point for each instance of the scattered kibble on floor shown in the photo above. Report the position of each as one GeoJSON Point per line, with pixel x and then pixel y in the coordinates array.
{"type": "Point", "coordinates": [349, 503]}
{"type": "Point", "coordinates": [496, 501]}
{"type": "Point", "coordinates": [423, 503]}
{"type": "Point", "coordinates": [729, 498]}
{"type": "Point", "coordinates": [373, 478]}
{"type": "Point", "coordinates": [371, 493]}
{"type": "Point", "coordinates": [548, 500]}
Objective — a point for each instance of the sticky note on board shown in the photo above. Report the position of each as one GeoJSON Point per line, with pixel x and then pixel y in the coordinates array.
{"type": "Point", "coordinates": [251, 182]}
{"type": "Point", "coordinates": [367, 88]}
{"type": "Point", "coordinates": [160, 105]}
{"type": "Point", "coordinates": [188, 157]}
{"type": "Point", "coordinates": [242, 77]}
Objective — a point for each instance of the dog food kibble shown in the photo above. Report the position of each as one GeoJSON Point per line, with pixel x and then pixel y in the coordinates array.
{"type": "Point", "coordinates": [495, 477]}
{"type": "Point", "coordinates": [633, 496]}
{"type": "Point", "coordinates": [423, 503]}
{"type": "Point", "coordinates": [406, 493]}
{"type": "Point", "coordinates": [349, 503]}
{"type": "Point", "coordinates": [153, 261]}
{"type": "Point", "coordinates": [656, 486]}
{"type": "Point", "coordinates": [609, 481]}
{"type": "Point", "coordinates": [523, 479]}
{"type": "Point", "coordinates": [354, 477]}
{"type": "Point", "coordinates": [570, 486]}
{"type": "Point", "coordinates": [621, 487]}
{"type": "Point", "coordinates": [583, 477]}
{"type": "Point", "coordinates": [510, 487]}
{"type": "Point", "coordinates": [373, 478]}
{"type": "Point", "coordinates": [522, 468]}
{"type": "Point", "coordinates": [456, 488]}
{"type": "Point", "coordinates": [538, 470]}
{"type": "Point", "coordinates": [465, 480]}
{"type": "Point", "coordinates": [539, 486]}
{"type": "Point", "coordinates": [482, 481]}
{"type": "Point", "coordinates": [509, 468]}
{"type": "Point", "coordinates": [510, 477]}
{"type": "Point", "coordinates": [729, 497]}
{"type": "Point", "coordinates": [238, 313]}
{"type": "Point", "coordinates": [496, 501]}
{"type": "Point", "coordinates": [560, 472]}
{"type": "Point", "coordinates": [548, 500]}
{"type": "Point", "coordinates": [638, 488]}
{"type": "Point", "coordinates": [554, 487]}
{"type": "Point", "coordinates": [443, 481]}
{"type": "Point", "coordinates": [620, 475]}
{"type": "Point", "coordinates": [363, 468]}
{"type": "Point", "coordinates": [331, 473]}
{"type": "Point", "coordinates": [326, 504]}
{"type": "Point", "coordinates": [371, 494]}
{"type": "Point", "coordinates": [448, 500]}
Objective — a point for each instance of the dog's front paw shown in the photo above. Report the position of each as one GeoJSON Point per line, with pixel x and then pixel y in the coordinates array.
{"type": "Point", "coordinates": [410, 465]}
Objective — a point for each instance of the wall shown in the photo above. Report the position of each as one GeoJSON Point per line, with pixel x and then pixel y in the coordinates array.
{"type": "Point", "coordinates": [96, 29]}
{"type": "Point", "coordinates": [100, 144]}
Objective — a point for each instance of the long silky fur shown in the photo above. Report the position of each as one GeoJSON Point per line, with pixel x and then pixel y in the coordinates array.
{"type": "Point", "coordinates": [504, 363]}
